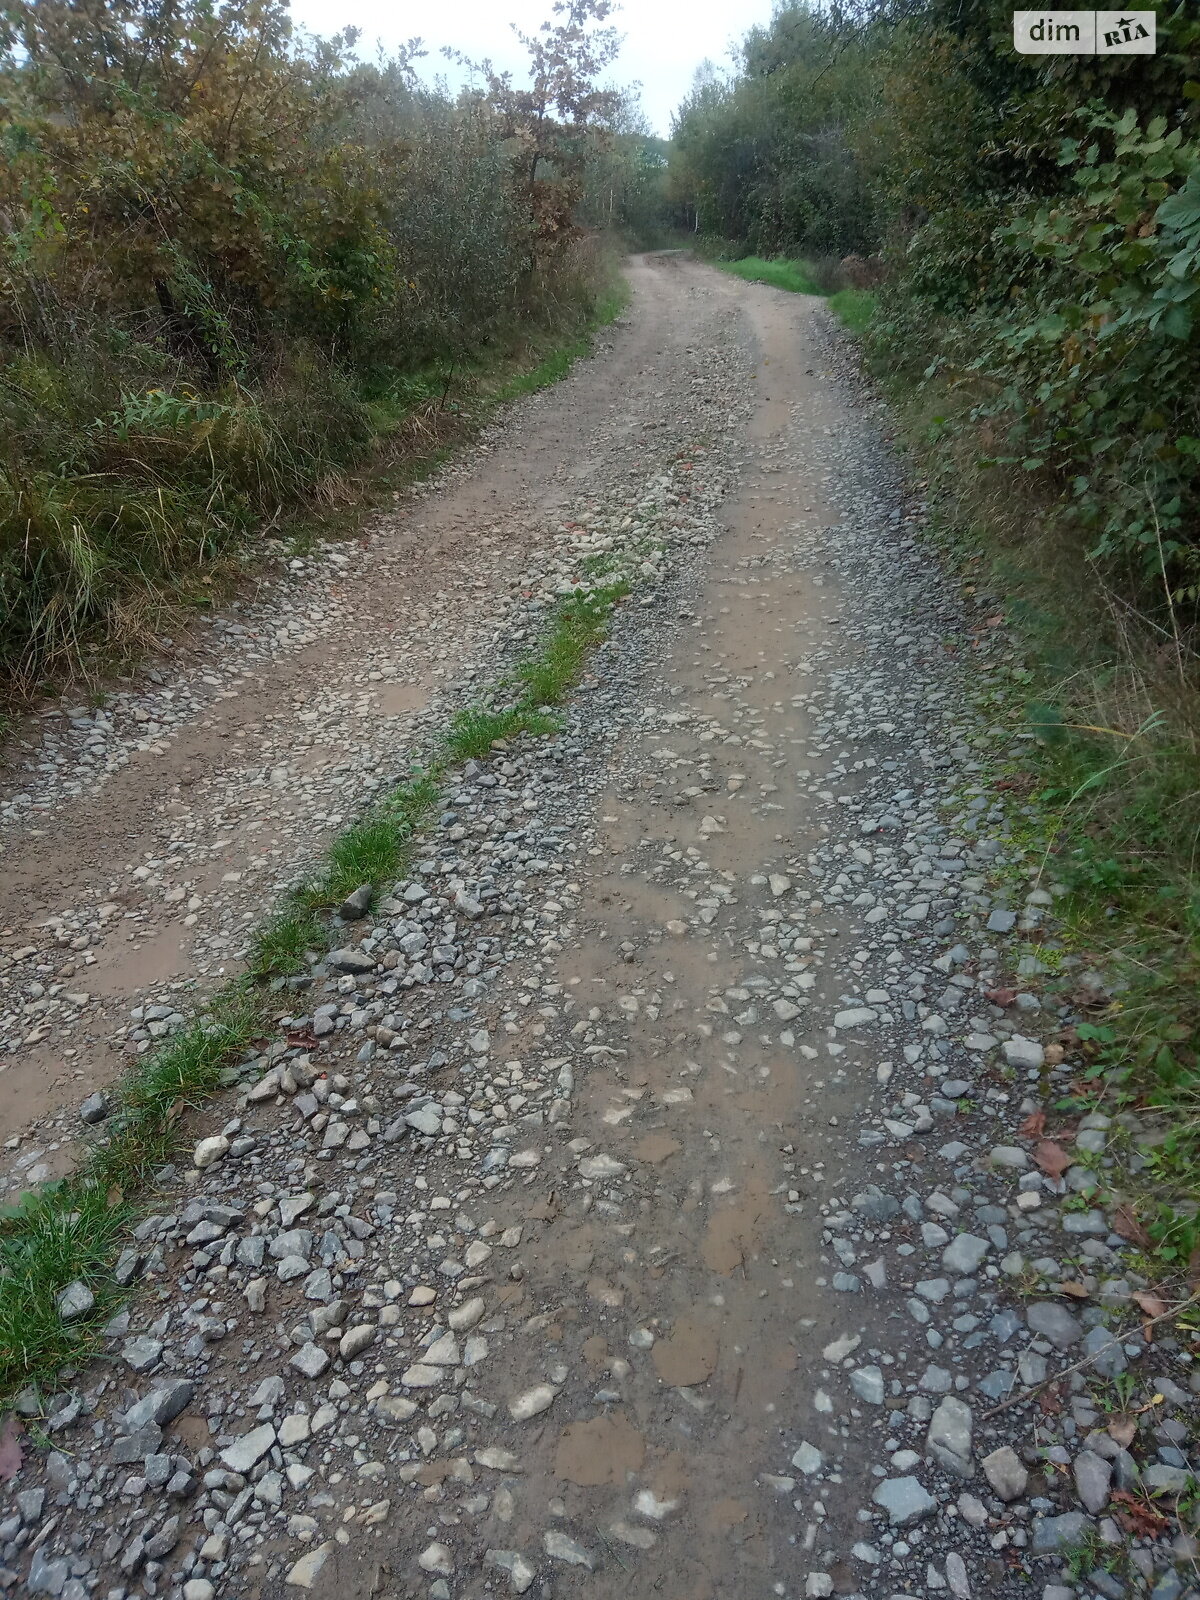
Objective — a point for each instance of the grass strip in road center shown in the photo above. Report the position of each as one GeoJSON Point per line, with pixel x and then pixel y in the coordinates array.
{"type": "Point", "coordinates": [61, 1273]}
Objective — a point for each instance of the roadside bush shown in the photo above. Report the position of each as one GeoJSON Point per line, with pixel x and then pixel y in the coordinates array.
{"type": "Point", "coordinates": [229, 257]}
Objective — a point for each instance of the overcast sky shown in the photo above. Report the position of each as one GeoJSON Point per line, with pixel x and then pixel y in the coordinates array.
{"type": "Point", "coordinates": [665, 40]}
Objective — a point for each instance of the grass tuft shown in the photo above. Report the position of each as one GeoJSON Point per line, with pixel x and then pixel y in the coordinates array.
{"type": "Point", "coordinates": [475, 729]}
{"type": "Point", "coordinates": [793, 276]}
{"type": "Point", "coordinates": [57, 1235]}
{"type": "Point", "coordinates": [580, 624]}
{"type": "Point", "coordinates": [279, 947]}
{"type": "Point", "coordinates": [143, 1131]}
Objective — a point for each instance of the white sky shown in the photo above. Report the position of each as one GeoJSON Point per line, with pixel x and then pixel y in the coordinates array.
{"type": "Point", "coordinates": [665, 40]}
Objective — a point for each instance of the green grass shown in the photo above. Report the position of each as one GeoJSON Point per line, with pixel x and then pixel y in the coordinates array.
{"type": "Point", "coordinates": [281, 945]}
{"type": "Point", "coordinates": [855, 307]}
{"type": "Point", "coordinates": [123, 505]}
{"type": "Point", "coordinates": [142, 1132]}
{"type": "Point", "coordinates": [475, 729]}
{"type": "Point", "coordinates": [74, 1229]}
{"type": "Point", "coordinates": [780, 274]}
{"type": "Point", "coordinates": [62, 1233]}
{"type": "Point", "coordinates": [580, 623]}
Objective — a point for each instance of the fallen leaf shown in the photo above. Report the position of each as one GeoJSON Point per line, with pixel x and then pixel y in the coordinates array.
{"type": "Point", "coordinates": [1136, 1517]}
{"type": "Point", "coordinates": [1050, 1401]}
{"type": "Point", "coordinates": [1052, 1158]}
{"type": "Point", "coordinates": [1150, 1303]}
{"type": "Point", "coordinates": [1033, 1127]}
{"type": "Point", "coordinates": [1127, 1225]}
{"type": "Point", "coordinates": [1000, 997]}
{"type": "Point", "coordinates": [10, 1448]}
{"type": "Point", "coordinates": [1077, 1291]}
{"type": "Point", "coordinates": [1123, 1430]}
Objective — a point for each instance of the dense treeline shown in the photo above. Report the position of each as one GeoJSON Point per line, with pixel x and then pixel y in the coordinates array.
{"type": "Point", "coordinates": [1039, 223]}
{"type": "Point", "coordinates": [231, 257]}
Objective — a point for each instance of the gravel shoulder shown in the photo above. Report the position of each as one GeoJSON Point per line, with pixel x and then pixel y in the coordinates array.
{"type": "Point", "coordinates": [652, 1196]}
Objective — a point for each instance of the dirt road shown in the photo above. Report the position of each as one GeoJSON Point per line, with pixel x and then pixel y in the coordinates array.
{"type": "Point", "coordinates": [655, 1212]}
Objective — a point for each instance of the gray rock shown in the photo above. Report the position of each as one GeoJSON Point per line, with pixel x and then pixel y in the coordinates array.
{"type": "Point", "coordinates": [1167, 1480]}
{"type": "Point", "coordinates": [904, 1500]}
{"type": "Point", "coordinates": [162, 1405]}
{"type": "Point", "coordinates": [95, 1108]}
{"type": "Point", "coordinates": [1107, 1352]}
{"type": "Point", "coordinates": [311, 1360]}
{"type": "Point", "coordinates": [245, 1453]}
{"type": "Point", "coordinates": [141, 1352]}
{"type": "Point", "coordinates": [355, 906]}
{"type": "Point", "coordinates": [1051, 1534]}
{"type": "Point", "coordinates": [305, 1572]}
{"type": "Point", "coordinates": [29, 1504]}
{"type": "Point", "coordinates": [1092, 1479]}
{"type": "Point", "coordinates": [561, 1548]}
{"type": "Point", "coordinates": [1054, 1322]}
{"type": "Point", "coordinates": [1001, 921]}
{"type": "Point", "coordinates": [47, 1576]}
{"type": "Point", "coordinates": [425, 1119]}
{"type": "Point", "coordinates": [867, 1383]}
{"type": "Point", "coordinates": [1026, 1054]}
{"type": "Point", "coordinates": [1006, 1473]}
{"type": "Point", "coordinates": [949, 1436]}
{"type": "Point", "coordinates": [349, 960]}
{"type": "Point", "coordinates": [808, 1459]}
{"type": "Point", "coordinates": [964, 1254]}
{"type": "Point", "coordinates": [76, 1300]}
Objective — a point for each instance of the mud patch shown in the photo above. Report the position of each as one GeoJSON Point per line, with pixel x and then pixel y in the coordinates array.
{"type": "Point", "coordinates": [689, 1356]}
{"type": "Point", "coordinates": [600, 1451]}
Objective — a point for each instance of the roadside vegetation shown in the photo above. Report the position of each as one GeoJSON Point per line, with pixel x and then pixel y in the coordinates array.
{"type": "Point", "coordinates": [240, 268]}
{"type": "Point", "coordinates": [1020, 243]}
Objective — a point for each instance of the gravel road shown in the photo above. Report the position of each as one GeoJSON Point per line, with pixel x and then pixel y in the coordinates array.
{"type": "Point", "coordinates": [650, 1197]}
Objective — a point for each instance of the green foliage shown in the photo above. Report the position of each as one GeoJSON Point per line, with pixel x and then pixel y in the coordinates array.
{"type": "Point", "coordinates": [280, 946]}
{"type": "Point", "coordinates": [764, 157]}
{"type": "Point", "coordinates": [230, 260]}
{"type": "Point", "coordinates": [1040, 223]}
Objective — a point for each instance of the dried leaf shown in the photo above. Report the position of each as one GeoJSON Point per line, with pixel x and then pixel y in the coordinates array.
{"type": "Point", "coordinates": [1077, 1291]}
{"type": "Point", "coordinates": [1123, 1430]}
{"type": "Point", "coordinates": [10, 1448]}
{"type": "Point", "coordinates": [1127, 1225]}
{"type": "Point", "coordinates": [1150, 1303]}
{"type": "Point", "coordinates": [1050, 1401]}
{"type": "Point", "coordinates": [1052, 1158]}
{"type": "Point", "coordinates": [1136, 1517]}
{"type": "Point", "coordinates": [1033, 1127]}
